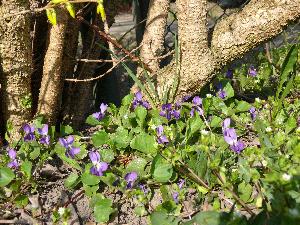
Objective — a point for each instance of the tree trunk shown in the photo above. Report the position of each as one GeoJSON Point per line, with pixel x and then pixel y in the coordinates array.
{"type": "Point", "coordinates": [83, 96]}
{"type": "Point", "coordinates": [152, 45]}
{"type": "Point", "coordinates": [39, 29]}
{"type": "Point", "coordinates": [15, 64]}
{"type": "Point", "coordinates": [257, 22]}
{"type": "Point", "coordinates": [69, 62]}
{"type": "Point", "coordinates": [52, 83]}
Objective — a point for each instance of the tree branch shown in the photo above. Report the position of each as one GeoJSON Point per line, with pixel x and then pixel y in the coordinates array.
{"type": "Point", "coordinates": [259, 21]}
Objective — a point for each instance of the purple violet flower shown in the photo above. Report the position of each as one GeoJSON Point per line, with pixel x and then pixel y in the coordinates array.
{"type": "Point", "coordinates": [67, 143]}
{"type": "Point", "coordinates": [175, 196]}
{"type": "Point", "coordinates": [130, 179]}
{"type": "Point", "coordinates": [98, 167]}
{"type": "Point", "coordinates": [29, 132]}
{"type": "Point", "coordinates": [252, 112]}
{"type": "Point", "coordinates": [221, 93]}
{"type": "Point", "coordinates": [298, 121]}
{"type": "Point", "coordinates": [197, 106]}
{"type": "Point", "coordinates": [231, 138]}
{"type": "Point", "coordinates": [161, 139]}
{"type": "Point", "coordinates": [181, 183]}
{"type": "Point", "coordinates": [45, 138]}
{"type": "Point", "coordinates": [229, 74]}
{"type": "Point", "coordinates": [100, 115]}
{"type": "Point", "coordinates": [144, 188]}
{"type": "Point", "coordinates": [168, 112]}
{"type": "Point", "coordinates": [252, 71]}
{"type": "Point", "coordinates": [138, 101]}
{"type": "Point", "coordinates": [12, 154]}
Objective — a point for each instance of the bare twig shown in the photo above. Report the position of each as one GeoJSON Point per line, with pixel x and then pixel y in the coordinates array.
{"type": "Point", "coordinates": [110, 39]}
{"type": "Point", "coordinates": [102, 75]}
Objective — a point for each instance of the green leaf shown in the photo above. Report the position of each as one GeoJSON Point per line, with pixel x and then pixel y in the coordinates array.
{"type": "Point", "coordinates": [90, 190]}
{"type": "Point", "coordinates": [290, 124]}
{"type": "Point", "coordinates": [92, 121]}
{"type": "Point", "coordinates": [102, 210]}
{"type": "Point", "coordinates": [107, 155]}
{"type": "Point", "coordinates": [194, 125]}
{"type": "Point", "coordinates": [127, 100]}
{"type": "Point", "coordinates": [141, 114]}
{"type": "Point", "coordinates": [100, 138]}
{"type": "Point", "coordinates": [287, 67]}
{"type": "Point", "coordinates": [6, 176]}
{"type": "Point", "coordinates": [35, 153]}
{"type": "Point", "coordinates": [243, 106]}
{"type": "Point", "coordinates": [72, 180]}
{"type": "Point", "coordinates": [51, 15]}
{"type": "Point", "coordinates": [137, 165]}
{"type": "Point", "coordinates": [216, 121]}
{"type": "Point", "coordinates": [144, 143]}
{"type": "Point", "coordinates": [245, 191]}
{"type": "Point", "coordinates": [205, 218]}
{"type": "Point", "coordinates": [109, 178]}
{"type": "Point", "coordinates": [70, 9]}
{"type": "Point", "coordinates": [161, 170]}
{"type": "Point", "coordinates": [121, 138]}
{"type": "Point", "coordinates": [26, 167]}
{"type": "Point", "coordinates": [229, 90]}
{"type": "Point", "coordinates": [66, 130]}
{"type": "Point", "coordinates": [89, 179]}
{"type": "Point", "coordinates": [140, 211]}
{"type": "Point", "coordinates": [21, 201]}
{"type": "Point", "coordinates": [295, 195]}
{"type": "Point", "coordinates": [162, 218]}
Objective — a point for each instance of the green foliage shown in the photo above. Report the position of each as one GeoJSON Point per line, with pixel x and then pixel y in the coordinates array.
{"type": "Point", "coordinates": [131, 157]}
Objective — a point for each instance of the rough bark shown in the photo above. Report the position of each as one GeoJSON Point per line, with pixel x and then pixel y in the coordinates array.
{"type": "Point", "coordinates": [51, 86]}
{"type": "Point", "coordinates": [69, 62]}
{"type": "Point", "coordinates": [152, 44]}
{"type": "Point", "coordinates": [39, 30]}
{"type": "Point", "coordinates": [257, 22]}
{"type": "Point", "coordinates": [15, 63]}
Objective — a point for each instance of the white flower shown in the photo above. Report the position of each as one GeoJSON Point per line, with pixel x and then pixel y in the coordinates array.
{"type": "Point", "coordinates": [153, 127]}
{"type": "Point", "coordinates": [265, 163]}
{"type": "Point", "coordinates": [208, 95]}
{"type": "Point", "coordinates": [257, 100]}
{"type": "Point", "coordinates": [204, 132]}
{"type": "Point", "coordinates": [286, 177]}
{"type": "Point", "coordinates": [125, 116]}
{"type": "Point", "coordinates": [61, 211]}
{"type": "Point", "coordinates": [268, 129]}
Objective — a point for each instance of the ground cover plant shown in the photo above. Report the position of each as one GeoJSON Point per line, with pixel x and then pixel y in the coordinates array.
{"type": "Point", "coordinates": [237, 144]}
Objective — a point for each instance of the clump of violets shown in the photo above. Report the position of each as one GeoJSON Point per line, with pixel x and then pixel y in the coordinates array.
{"type": "Point", "coordinates": [253, 112]}
{"type": "Point", "coordinates": [252, 72]}
{"type": "Point", "coordinates": [138, 101]}
{"type": "Point", "coordinates": [12, 154]}
{"type": "Point", "coordinates": [28, 132]}
{"type": "Point", "coordinates": [100, 115]}
{"type": "Point", "coordinates": [130, 179]}
{"type": "Point", "coordinates": [231, 138]}
{"type": "Point", "coordinates": [168, 111]}
{"type": "Point", "coordinates": [45, 138]}
{"type": "Point", "coordinates": [221, 93]}
{"type": "Point", "coordinates": [161, 138]}
{"type": "Point", "coordinates": [67, 143]}
{"type": "Point", "coordinates": [197, 106]}
{"type": "Point", "coordinates": [98, 167]}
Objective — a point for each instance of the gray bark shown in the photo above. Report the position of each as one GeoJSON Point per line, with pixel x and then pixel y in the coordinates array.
{"type": "Point", "coordinates": [15, 63]}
